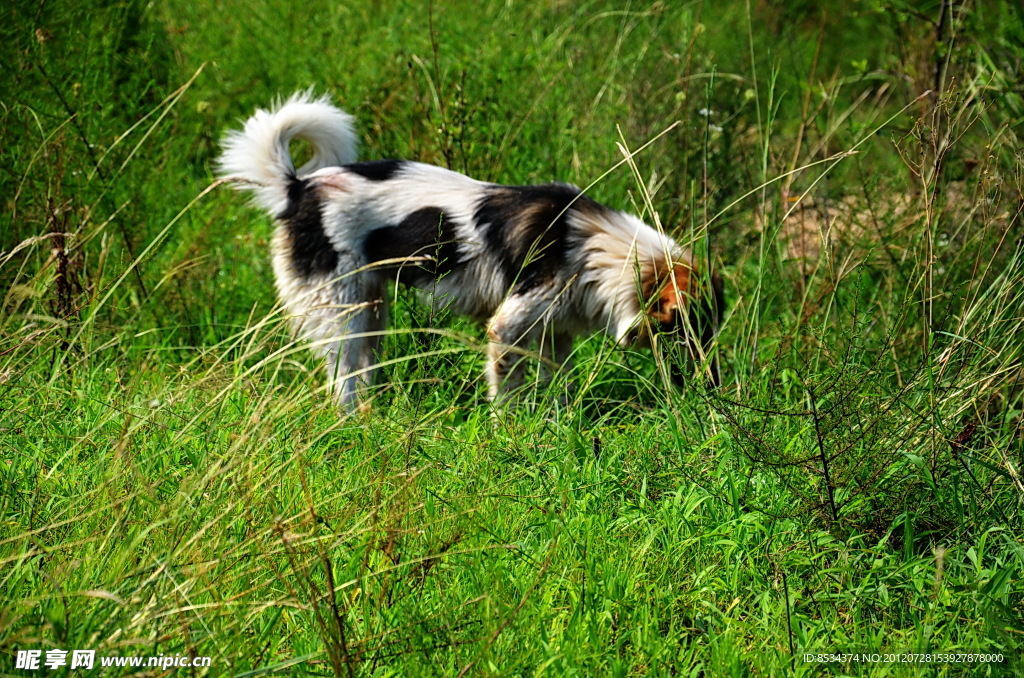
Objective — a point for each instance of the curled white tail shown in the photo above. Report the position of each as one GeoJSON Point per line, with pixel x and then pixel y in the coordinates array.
{"type": "Point", "coordinates": [258, 157]}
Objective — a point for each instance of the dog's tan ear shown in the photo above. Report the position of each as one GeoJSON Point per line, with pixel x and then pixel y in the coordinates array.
{"type": "Point", "coordinates": [674, 292]}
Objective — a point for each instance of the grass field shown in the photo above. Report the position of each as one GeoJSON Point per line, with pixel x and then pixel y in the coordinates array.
{"type": "Point", "coordinates": [175, 482]}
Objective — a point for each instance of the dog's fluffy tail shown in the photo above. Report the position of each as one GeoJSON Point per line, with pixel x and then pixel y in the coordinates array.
{"type": "Point", "coordinates": [258, 158]}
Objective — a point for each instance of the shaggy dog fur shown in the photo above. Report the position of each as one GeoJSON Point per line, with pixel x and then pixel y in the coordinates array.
{"type": "Point", "coordinates": [540, 264]}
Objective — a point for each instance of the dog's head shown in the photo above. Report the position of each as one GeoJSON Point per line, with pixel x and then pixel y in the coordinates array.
{"type": "Point", "coordinates": [684, 308]}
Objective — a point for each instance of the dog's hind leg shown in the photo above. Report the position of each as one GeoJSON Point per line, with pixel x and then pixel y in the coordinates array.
{"type": "Point", "coordinates": [352, 355]}
{"type": "Point", "coordinates": [346, 327]}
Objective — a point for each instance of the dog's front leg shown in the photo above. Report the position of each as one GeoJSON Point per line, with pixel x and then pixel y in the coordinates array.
{"type": "Point", "coordinates": [504, 367]}
{"type": "Point", "coordinates": [555, 352]}
{"type": "Point", "coordinates": [556, 360]}
{"type": "Point", "coordinates": [510, 332]}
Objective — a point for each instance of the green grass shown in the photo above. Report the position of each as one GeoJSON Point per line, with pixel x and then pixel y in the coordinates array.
{"type": "Point", "coordinates": [175, 481]}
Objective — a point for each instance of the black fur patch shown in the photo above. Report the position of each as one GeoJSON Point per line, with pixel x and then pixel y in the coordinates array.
{"type": "Point", "coordinates": [528, 226]}
{"type": "Point", "coordinates": [311, 251]}
{"type": "Point", "coordinates": [376, 170]}
{"type": "Point", "coordinates": [296, 189]}
{"type": "Point", "coordinates": [423, 233]}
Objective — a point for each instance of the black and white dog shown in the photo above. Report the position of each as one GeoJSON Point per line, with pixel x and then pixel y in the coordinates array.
{"type": "Point", "coordinates": [540, 264]}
